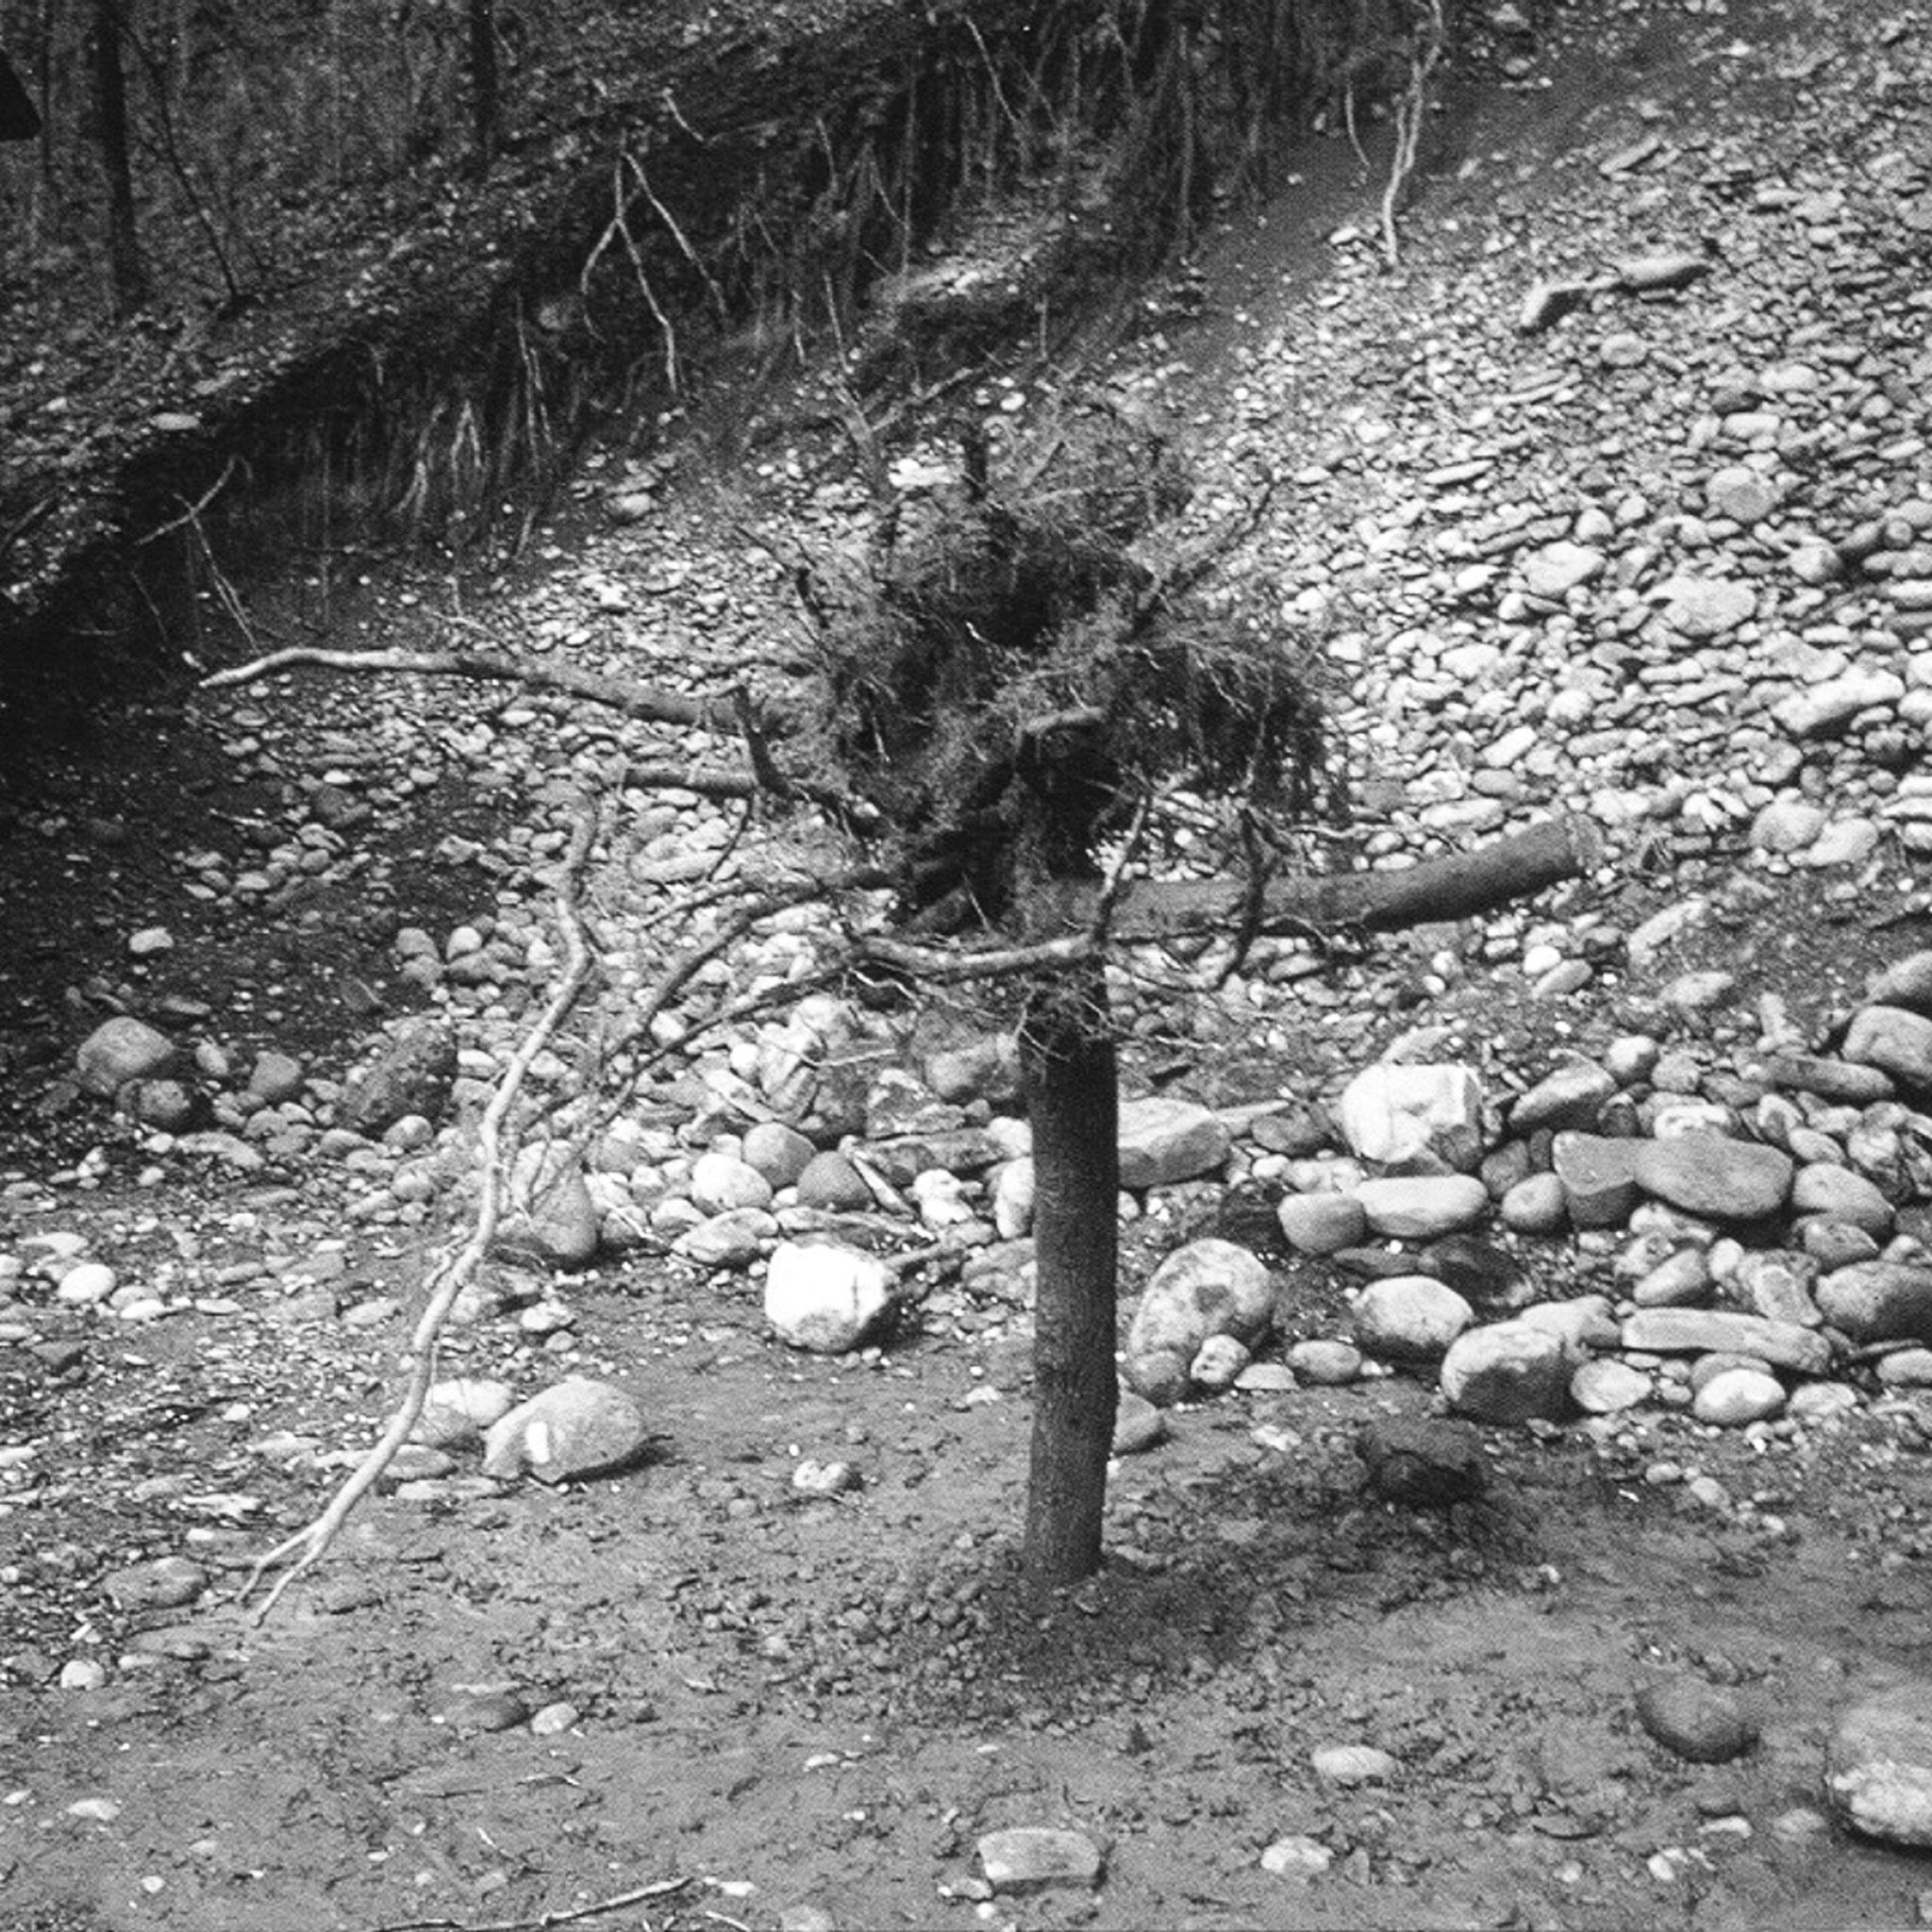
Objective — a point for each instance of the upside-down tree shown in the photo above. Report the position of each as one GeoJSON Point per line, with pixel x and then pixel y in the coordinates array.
{"type": "Point", "coordinates": [1033, 685]}
{"type": "Point", "coordinates": [1028, 690]}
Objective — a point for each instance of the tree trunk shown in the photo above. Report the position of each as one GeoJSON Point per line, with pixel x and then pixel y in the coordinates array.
{"type": "Point", "coordinates": [132, 288]}
{"type": "Point", "coordinates": [486, 88]}
{"type": "Point", "coordinates": [1073, 1100]}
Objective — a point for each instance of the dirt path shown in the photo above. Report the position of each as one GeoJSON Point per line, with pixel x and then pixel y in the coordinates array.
{"type": "Point", "coordinates": [805, 1711]}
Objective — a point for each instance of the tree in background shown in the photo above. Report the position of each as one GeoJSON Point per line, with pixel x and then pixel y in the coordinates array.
{"type": "Point", "coordinates": [126, 265]}
{"type": "Point", "coordinates": [486, 83]}
{"type": "Point", "coordinates": [18, 119]}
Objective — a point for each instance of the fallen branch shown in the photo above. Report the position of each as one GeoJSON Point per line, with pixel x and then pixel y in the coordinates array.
{"type": "Point", "coordinates": [1460, 886]}
{"type": "Point", "coordinates": [1412, 111]}
{"type": "Point", "coordinates": [452, 1276]}
{"type": "Point", "coordinates": [654, 706]}
{"type": "Point", "coordinates": [544, 1921]}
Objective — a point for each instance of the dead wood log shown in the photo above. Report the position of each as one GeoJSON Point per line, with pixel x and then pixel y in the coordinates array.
{"type": "Point", "coordinates": [721, 715]}
{"type": "Point", "coordinates": [1462, 885]}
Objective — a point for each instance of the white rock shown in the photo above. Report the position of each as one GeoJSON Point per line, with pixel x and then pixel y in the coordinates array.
{"type": "Point", "coordinates": [1391, 1112]}
{"type": "Point", "coordinates": [1013, 1199]}
{"type": "Point", "coordinates": [825, 1297]}
{"type": "Point", "coordinates": [1420, 1206]}
{"type": "Point", "coordinates": [1733, 1397]}
{"type": "Point", "coordinates": [721, 1182]}
{"type": "Point", "coordinates": [87, 1283]}
{"type": "Point", "coordinates": [1353, 1764]}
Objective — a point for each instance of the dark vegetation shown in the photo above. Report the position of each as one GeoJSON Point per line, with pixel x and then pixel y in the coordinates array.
{"type": "Point", "coordinates": [373, 271]}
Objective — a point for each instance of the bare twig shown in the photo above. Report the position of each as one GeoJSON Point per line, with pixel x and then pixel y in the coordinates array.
{"type": "Point", "coordinates": [454, 1272]}
{"type": "Point", "coordinates": [191, 513]}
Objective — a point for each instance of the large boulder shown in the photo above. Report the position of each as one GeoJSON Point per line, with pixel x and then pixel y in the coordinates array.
{"type": "Point", "coordinates": [1878, 1765]}
{"type": "Point", "coordinates": [824, 1296]}
{"type": "Point", "coordinates": [1210, 1287]}
{"type": "Point", "coordinates": [551, 1221]}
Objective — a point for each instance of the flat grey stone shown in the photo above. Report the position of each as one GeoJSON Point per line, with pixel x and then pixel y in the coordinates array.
{"type": "Point", "coordinates": [1841, 1194]}
{"type": "Point", "coordinates": [1418, 1206]}
{"type": "Point", "coordinates": [1163, 1141]}
{"type": "Point", "coordinates": [1572, 1097]}
{"type": "Point", "coordinates": [1322, 1224]}
{"type": "Point", "coordinates": [1030, 1857]}
{"type": "Point", "coordinates": [1710, 1331]}
{"type": "Point", "coordinates": [1830, 1079]}
{"type": "Point", "coordinates": [1713, 1176]}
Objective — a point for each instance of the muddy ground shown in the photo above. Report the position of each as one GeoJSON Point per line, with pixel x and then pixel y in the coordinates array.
{"type": "Point", "coordinates": [758, 1708]}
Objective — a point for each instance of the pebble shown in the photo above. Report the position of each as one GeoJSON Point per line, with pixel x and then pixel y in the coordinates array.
{"type": "Point", "coordinates": [1418, 1206]}
{"type": "Point", "coordinates": [1322, 1224]}
{"type": "Point", "coordinates": [1031, 1858]}
{"type": "Point", "coordinates": [1350, 1765]}
{"type": "Point", "coordinates": [1297, 1856]}
{"type": "Point", "coordinates": [1410, 1317]}
{"type": "Point", "coordinates": [576, 1428]}
{"type": "Point", "coordinates": [1512, 1373]}
{"type": "Point", "coordinates": [1695, 1720]}
{"type": "Point", "coordinates": [1737, 1396]}
{"type": "Point", "coordinates": [1326, 1364]}
{"type": "Point", "coordinates": [1164, 1141]}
